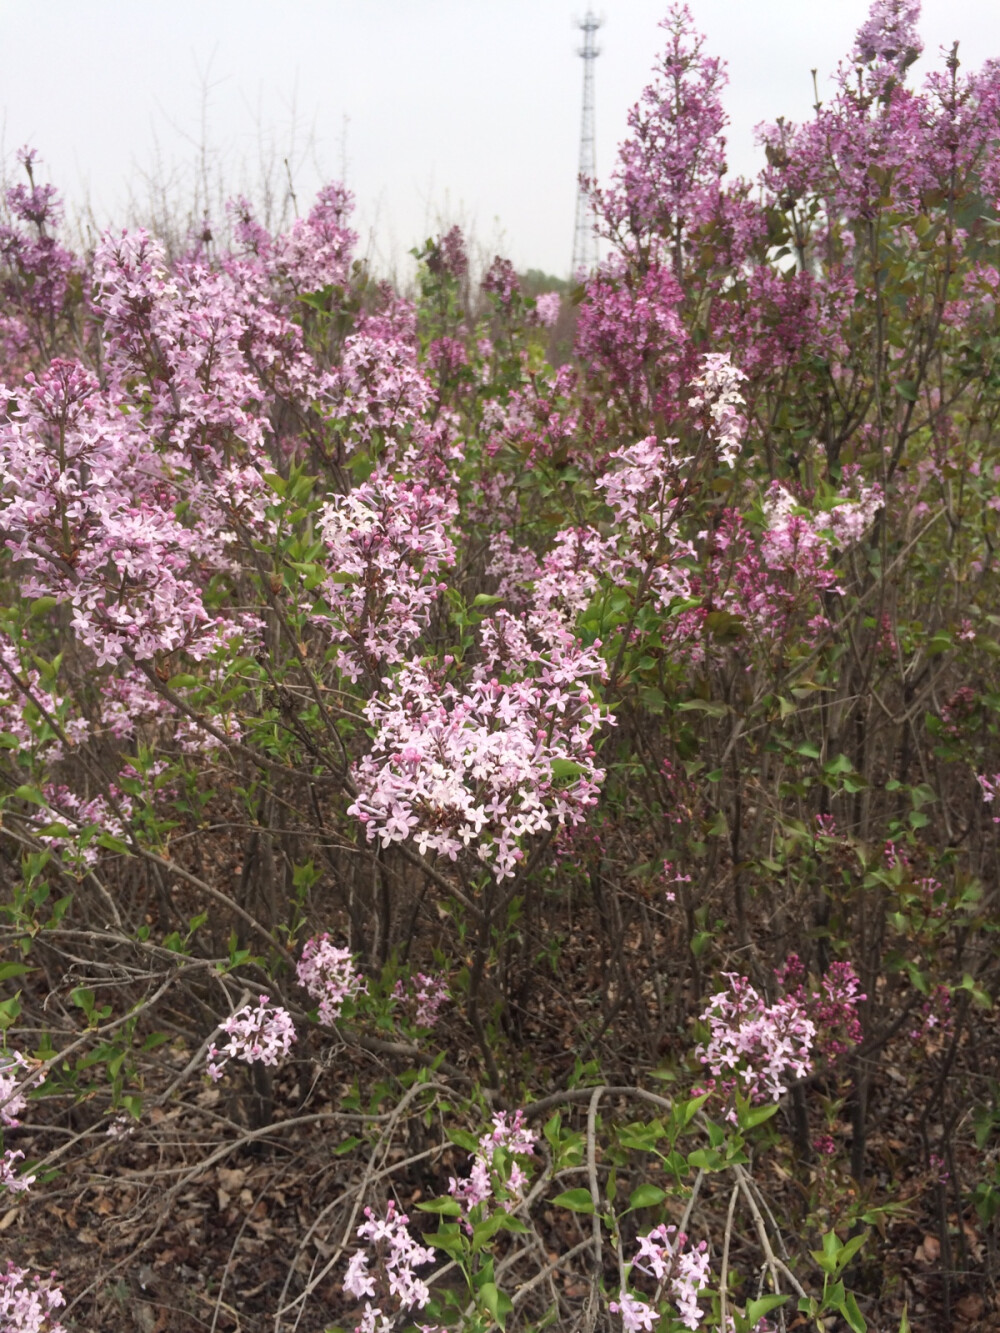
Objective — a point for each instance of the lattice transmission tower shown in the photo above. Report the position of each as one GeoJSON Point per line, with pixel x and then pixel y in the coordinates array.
{"type": "Point", "coordinates": [584, 237]}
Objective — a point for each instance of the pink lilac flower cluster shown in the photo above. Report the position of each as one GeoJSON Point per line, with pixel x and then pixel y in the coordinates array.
{"type": "Point", "coordinates": [833, 1008]}
{"type": "Point", "coordinates": [22, 694]}
{"type": "Point", "coordinates": [425, 995]}
{"type": "Point", "coordinates": [516, 1140]}
{"type": "Point", "coordinates": [990, 788]}
{"type": "Point", "coordinates": [38, 269]}
{"type": "Point", "coordinates": [387, 542]}
{"type": "Point", "coordinates": [662, 1255]}
{"type": "Point", "coordinates": [9, 1178]}
{"type": "Point", "coordinates": [754, 1047]}
{"type": "Point", "coordinates": [104, 813]}
{"type": "Point", "coordinates": [263, 1035]}
{"type": "Point", "coordinates": [489, 765]}
{"type": "Point", "coordinates": [389, 1272]}
{"type": "Point", "coordinates": [547, 307]}
{"type": "Point", "coordinates": [27, 1305]}
{"type": "Point", "coordinates": [13, 1099]}
{"type": "Point", "coordinates": [448, 254]}
{"type": "Point", "coordinates": [502, 282]}
{"type": "Point", "coordinates": [329, 976]}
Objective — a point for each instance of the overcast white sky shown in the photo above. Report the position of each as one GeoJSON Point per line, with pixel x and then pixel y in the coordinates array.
{"type": "Point", "coordinates": [436, 110]}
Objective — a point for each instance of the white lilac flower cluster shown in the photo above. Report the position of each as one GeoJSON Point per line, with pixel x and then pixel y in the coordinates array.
{"type": "Point", "coordinates": [263, 1035]}
{"type": "Point", "coordinates": [719, 383]}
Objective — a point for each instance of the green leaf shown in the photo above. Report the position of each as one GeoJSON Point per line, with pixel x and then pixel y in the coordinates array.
{"type": "Point", "coordinates": [850, 1249]}
{"type": "Point", "coordinates": [763, 1305]}
{"type": "Point", "coordinates": [464, 1139]}
{"type": "Point", "coordinates": [451, 1242]}
{"type": "Point", "coordinates": [577, 1201]}
{"type": "Point", "coordinates": [703, 706]}
{"type": "Point", "coordinates": [450, 1207]}
{"type": "Point", "coordinates": [485, 599]}
{"type": "Point", "coordinates": [646, 1196]}
{"type": "Point", "coordinates": [113, 844]}
{"type": "Point", "coordinates": [705, 1159]}
{"type": "Point", "coordinates": [494, 1300]}
{"type": "Point", "coordinates": [852, 1314]}
{"type": "Point", "coordinates": [10, 1011]}
{"type": "Point", "coordinates": [31, 794]}
{"type": "Point", "coordinates": [565, 768]}
{"type": "Point", "coordinates": [691, 1108]}
{"type": "Point", "coordinates": [756, 1115]}
{"type": "Point", "coordinates": [8, 970]}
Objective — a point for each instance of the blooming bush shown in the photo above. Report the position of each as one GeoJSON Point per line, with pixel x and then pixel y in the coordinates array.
{"type": "Point", "coordinates": [585, 704]}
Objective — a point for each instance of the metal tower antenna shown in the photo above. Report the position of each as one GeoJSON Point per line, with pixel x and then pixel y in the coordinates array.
{"type": "Point", "coordinates": [584, 237]}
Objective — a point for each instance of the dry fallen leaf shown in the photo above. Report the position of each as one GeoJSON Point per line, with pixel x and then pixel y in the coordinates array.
{"type": "Point", "coordinates": [231, 1179]}
{"type": "Point", "coordinates": [970, 1306]}
{"type": "Point", "coordinates": [928, 1251]}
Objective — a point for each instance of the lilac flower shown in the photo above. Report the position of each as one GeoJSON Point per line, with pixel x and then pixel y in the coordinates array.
{"type": "Point", "coordinates": [395, 1255]}
{"type": "Point", "coordinates": [635, 1312]}
{"type": "Point", "coordinates": [753, 1046]}
{"type": "Point", "coordinates": [329, 976]}
{"type": "Point", "coordinates": [9, 1178]}
{"type": "Point", "coordinates": [26, 1305]}
{"type": "Point", "coordinates": [482, 766]}
{"type": "Point", "coordinates": [547, 307]}
{"type": "Point", "coordinates": [721, 397]}
{"type": "Point", "coordinates": [429, 994]}
{"type": "Point", "coordinates": [263, 1035]}
{"type": "Point", "coordinates": [516, 1139]}
{"type": "Point", "coordinates": [12, 1096]}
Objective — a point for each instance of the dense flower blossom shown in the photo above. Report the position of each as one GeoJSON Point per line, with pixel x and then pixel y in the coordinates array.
{"type": "Point", "coordinates": [448, 254]}
{"type": "Point", "coordinates": [889, 33]}
{"type": "Point", "coordinates": [753, 1046]}
{"type": "Point", "coordinates": [517, 1140]}
{"type": "Point", "coordinates": [662, 1255]}
{"type": "Point", "coordinates": [723, 402]}
{"type": "Point", "coordinates": [395, 1255]}
{"type": "Point", "coordinates": [666, 180]}
{"type": "Point", "coordinates": [547, 307]}
{"type": "Point", "coordinates": [636, 1313]}
{"type": "Point", "coordinates": [263, 1035]}
{"type": "Point", "coordinates": [329, 976]}
{"type": "Point", "coordinates": [426, 995]}
{"type": "Point", "coordinates": [388, 541]}
{"type": "Point", "coordinates": [27, 1304]}
{"type": "Point", "coordinates": [501, 281]}
{"type": "Point", "coordinates": [488, 765]}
